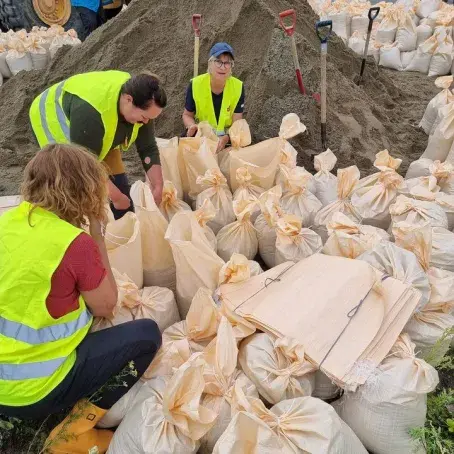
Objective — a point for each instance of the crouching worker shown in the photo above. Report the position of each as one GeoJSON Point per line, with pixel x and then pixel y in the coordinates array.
{"type": "Point", "coordinates": [105, 112]}
{"type": "Point", "coordinates": [216, 97]}
{"type": "Point", "coordinates": [54, 278]}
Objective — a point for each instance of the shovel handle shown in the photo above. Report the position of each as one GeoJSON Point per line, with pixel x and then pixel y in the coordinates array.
{"type": "Point", "coordinates": [373, 13]}
{"type": "Point", "coordinates": [325, 26]}
{"type": "Point", "coordinates": [196, 23]}
{"type": "Point", "coordinates": [288, 29]}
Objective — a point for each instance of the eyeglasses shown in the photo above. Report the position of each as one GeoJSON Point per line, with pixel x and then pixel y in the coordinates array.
{"type": "Point", "coordinates": [225, 64]}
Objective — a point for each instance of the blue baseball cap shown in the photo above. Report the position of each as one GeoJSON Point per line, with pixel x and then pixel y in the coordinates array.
{"type": "Point", "coordinates": [221, 48]}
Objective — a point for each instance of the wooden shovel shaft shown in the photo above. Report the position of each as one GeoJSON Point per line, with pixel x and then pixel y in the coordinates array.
{"type": "Point", "coordinates": [296, 63]}
{"type": "Point", "coordinates": [196, 55]}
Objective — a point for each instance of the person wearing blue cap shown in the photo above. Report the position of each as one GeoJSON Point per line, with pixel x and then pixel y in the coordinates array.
{"type": "Point", "coordinates": [216, 96]}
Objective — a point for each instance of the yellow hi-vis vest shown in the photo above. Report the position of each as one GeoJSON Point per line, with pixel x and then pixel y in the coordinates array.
{"type": "Point", "coordinates": [100, 89]}
{"type": "Point", "coordinates": [36, 350]}
{"type": "Point", "coordinates": [201, 92]}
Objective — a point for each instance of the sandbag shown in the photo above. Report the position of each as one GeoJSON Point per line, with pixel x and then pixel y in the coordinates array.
{"type": "Point", "coordinates": [387, 29]}
{"type": "Point", "coordinates": [288, 156]}
{"type": "Point", "coordinates": [406, 36]}
{"type": "Point", "coordinates": [357, 42]}
{"type": "Point", "coordinates": [171, 419]}
{"type": "Point", "coordinates": [391, 402]}
{"type": "Point", "coordinates": [325, 181]}
{"type": "Point", "coordinates": [214, 188]}
{"type": "Point", "coordinates": [419, 168]}
{"type": "Point", "coordinates": [238, 269]}
{"type": "Point", "coordinates": [124, 247]}
{"type": "Point", "coordinates": [424, 53]}
{"type": "Point", "coordinates": [17, 58]}
{"type": "Point", "coordinates": [304, 424]}
{"type": "Point", "coordinates": [441, 62]}
{"type": "Point", "coordinates": [262, 159]}
{"type": "Point", "coordinates": [294, 243]}
{"type": "Point", "coordinates": [197, 265]}
{"type": "Point", "coordinates": [427, 7]}
{"type": "Point", "coordinates": [400, 264]}
{"type": "Point", "coordinates": [390, 57]}
{"type": "Point", "coordinates": [442, 254]}
{"type": "Point", "coordinates": [359, 25]}
{"type": "Point", "coordinates": [170, 203]}
{"type": "Point", "coordinates": [349, 239]}
{"type": "Point", "coordinates": [121, 407]}
{"type": "Point", "coordinates": [417, 212]}
{"type": "Point", "coordinates": [4, 68]}
{"type": "Point", "coordinates": [266, 222]}
{"type": "Point", "coordinates": [407, 57]}
{"type": "Point", "coordinates": [220, 376]}
{"type": "Point", "coordinates": [341, 24]}
{"type": "Point", "coordinates": [347, 180]}
{"type": "Point", "coordinates": [205, 214]}
{"type": "Point", "coordinates": [423, 32]}
{"type": "Point", "coordinates": [157, 258]}
{"type": "Point", "coordinates": [374, 194]}
{"type": "Point", "coordinates": [440, 100]}
{"type": "Point", "coordinates": [239, 236]}
{"type": "Point", "coordinates": [324, 388]}
{"type": "Point", "coordinates": [240, 137]}
{"type": "Point", "coordinates": [277, 367]}
{"type": "Point", "coordinates": [247, 190]}
{"type": "Point", "coordinates": [168, 152]}
{"type": "Point", "coordinates": [297, 199]}
{"type": "Point", "coordinates": [38, 53]}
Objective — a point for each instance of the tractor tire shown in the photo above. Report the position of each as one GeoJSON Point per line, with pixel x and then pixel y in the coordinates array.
{"type": "Point", "coordinates": [30, 19]}
{"type": "Point", "coordinates": [11, 17]}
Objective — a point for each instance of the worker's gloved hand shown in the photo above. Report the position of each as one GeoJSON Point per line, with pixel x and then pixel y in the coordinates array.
{"type": "Point", "coordinates": [223, 141]}
{"type": "Point", "coordinates": [122, 202]}
{"type": "Point", "coordinates": [192, 130]}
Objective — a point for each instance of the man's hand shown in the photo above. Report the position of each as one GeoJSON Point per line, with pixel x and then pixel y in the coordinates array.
{"type": "Point", "coordinates": [192, 130]}
{"type": "Point", "coordinates": [223, 141]}
{"type": "Point", "coordinates": [154, 174]}
{"type": "Point", "coordinates": [122, 202]}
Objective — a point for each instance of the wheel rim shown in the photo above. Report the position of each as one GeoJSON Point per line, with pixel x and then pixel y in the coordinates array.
{"type": "Point", "coordinates": [53, 12]}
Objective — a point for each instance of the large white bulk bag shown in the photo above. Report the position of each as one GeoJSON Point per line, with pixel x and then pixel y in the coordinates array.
{"type": "Point", "coordinates": [325, 181]}
{"type": "Point", "coordinates": [124, 247]}
{"type": "Point", "coordinates": [171, 419]}
{"type": "Point", "coordinates": [304, 424]}
{"type": "Point", "coordinates": [157, 258]}
{"type": "Point", "coordinates": [293, 242]}
{"type": "Point", "coordinates": [277, 367]}
{"type": "Point", "coordinates": [197, 265]}
{"type": "Point", "coordinates": [440, 100]}
{"type": "Point", "coordinates": [391, 402]}
{"type": "Point", "coordinates": [341, 24]}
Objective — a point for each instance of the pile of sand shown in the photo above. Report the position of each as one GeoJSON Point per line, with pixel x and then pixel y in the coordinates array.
{"type": "Point", "coordinates": [158, 36]}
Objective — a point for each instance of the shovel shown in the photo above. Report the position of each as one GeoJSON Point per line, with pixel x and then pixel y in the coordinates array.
{"type": "Point", "coordinates": [290, 30]}
{"type": "Point", "coordinates": [323, 29]}
{"type": "Point", "coordinates": [372, 15]}
{"type": "Point", "coordinates": [196, 23]}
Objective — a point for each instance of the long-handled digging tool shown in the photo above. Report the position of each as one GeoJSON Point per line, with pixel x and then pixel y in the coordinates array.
{"type": "Point", "coordinates": [196, 23]}
{"type": "Point", "coordinates": [290, 30]}
{"type": "Point", "coordinates": [323, 29]}
{"type": "Point", "coordinates": [372, 15]}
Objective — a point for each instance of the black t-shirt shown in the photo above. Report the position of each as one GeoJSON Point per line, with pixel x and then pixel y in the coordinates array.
{"type": "Point", "coordinates": [217, 102]}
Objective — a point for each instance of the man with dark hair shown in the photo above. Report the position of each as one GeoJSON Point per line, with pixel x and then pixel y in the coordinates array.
{"type": "Point", "coordinates": [105, 112]}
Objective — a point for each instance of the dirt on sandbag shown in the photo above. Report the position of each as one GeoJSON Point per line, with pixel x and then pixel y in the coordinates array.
{"type": "Point", "coordinates": [158, 36]}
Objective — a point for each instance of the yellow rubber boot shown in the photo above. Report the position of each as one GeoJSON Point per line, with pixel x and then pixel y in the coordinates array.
{"type": "Point", "coordinates": [76, 433]}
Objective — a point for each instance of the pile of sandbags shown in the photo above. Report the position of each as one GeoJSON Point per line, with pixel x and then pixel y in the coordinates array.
{"type": "Point", "coordinates": [206, 389]}
{"type": "Point", "coordinates": [24, 51]}
{"type": "Point", "coordinates": [408, 35]}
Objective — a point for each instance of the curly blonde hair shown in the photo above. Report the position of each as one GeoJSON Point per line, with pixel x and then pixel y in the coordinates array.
{"type": "Point", "coordinates": [68, 181]}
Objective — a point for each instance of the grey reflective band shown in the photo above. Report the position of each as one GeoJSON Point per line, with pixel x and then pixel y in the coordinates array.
{"type": "Point", "coordinates": [42, 112]}
{"type": "Point", "coordinates": [59, 111]}
{"type": "Point", "coordinates": [30, 370]}
{"type": "Point", "coordinates": [60, 114]}
{"type": "Point", "coordinates": [32, 336]}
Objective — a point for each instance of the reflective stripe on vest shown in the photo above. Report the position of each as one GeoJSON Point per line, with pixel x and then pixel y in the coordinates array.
{"type": "Point", "coordinates": [29, 371]}
{"type": "Point", "coordinates": [24, 333]}
{"type": "Point", "coordinates": [62, 121]}
{"type": "Point", "coordinates": [201, 92]}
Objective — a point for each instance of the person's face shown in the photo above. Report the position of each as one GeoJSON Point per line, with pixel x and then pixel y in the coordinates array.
{"type": "Point", "coordinates": [221, 67]}
{"type": "Point", "coordinates": [133, 114]}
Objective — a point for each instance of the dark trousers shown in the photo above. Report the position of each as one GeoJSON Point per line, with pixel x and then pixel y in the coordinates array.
{"type": "Point", "coordinates": [122, 183]}
{"type": "Point", "coordinates": [100, 357]}
{"type": "Point", "coordinates": [90, 20]}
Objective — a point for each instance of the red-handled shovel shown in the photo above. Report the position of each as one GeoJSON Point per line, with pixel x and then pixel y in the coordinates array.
{"type": "Point", "coordinates": [290, 30]}
{"type": "Point", "coordinates": [196, 23]}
